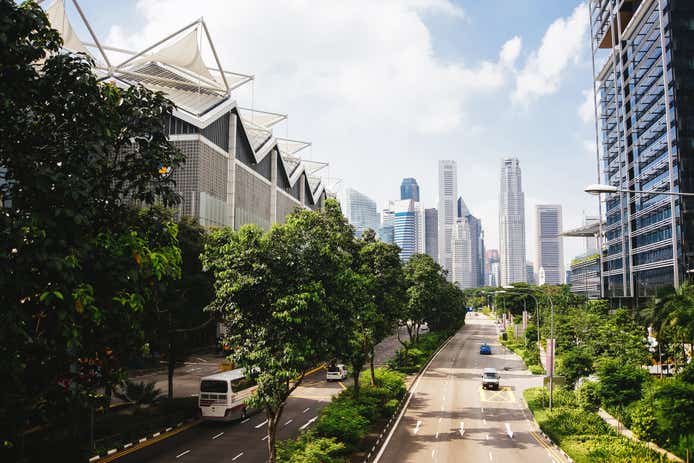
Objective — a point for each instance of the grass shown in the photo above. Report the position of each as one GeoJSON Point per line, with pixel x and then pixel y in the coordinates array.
{"type": "Point", "coordinates": [583, 435]}
{"type": "Point", "coordinates": [416, 356]}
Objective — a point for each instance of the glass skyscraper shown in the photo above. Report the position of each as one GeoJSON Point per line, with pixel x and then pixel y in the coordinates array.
{"type": "Point", "coordinates": [405, 228]}
{"type": "Point", "coordinates": [360, 211]}
{"type": "Point", "coordinates": [645, 109]}
{"type": "Point", "coordinates": [409, 189]}
{"type": "Point", "coordinates": [511, 224]}
{"type": "Point", "coordinates": [431, 233]}
{"type": "Point", "coordinates": [549, 245]}
{"type": "Point", "coordinates": [448, 195]}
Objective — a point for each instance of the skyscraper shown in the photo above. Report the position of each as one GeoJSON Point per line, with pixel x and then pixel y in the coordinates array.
{"type": "Point", "coordinates": [491, 267]}
{"type": "Point", "coordinates": [645, 111]}
{"type": "Point", "coordinates": [549, 246]}
{"type": "Point", "coordinates": [420, 227]}
{"type": "Point", "coordinates": [405, 228]}
{"type": "Point", "coordinates": [409, 189]}
{"type": "Point", "coordinates": [511, 224]}
{"type": "Point", "coordinates": [386, 232]}
{"type": "Point", "coordinates": [431, 233]}
{"type": "Point", "coordinates": [463, 273]}
{"type": "Point", "coordinates": [476, 236]}
{"type": "Point", "coordinates": [448, 194]}
{"type": "Point", "coordinates": [360, 211]}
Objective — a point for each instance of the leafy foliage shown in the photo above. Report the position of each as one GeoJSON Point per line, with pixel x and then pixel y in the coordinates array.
{"type": "Point", "coordinates": [620, 384]}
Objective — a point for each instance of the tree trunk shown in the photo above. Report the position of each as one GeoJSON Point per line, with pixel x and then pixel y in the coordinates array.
{"type": "Point", "coordinates": [373, 369]}
{"type": "Point", "coordinates": [171, 365]}
{"type": "Point", "coordinates": [357, 371]}
{"type": "Point", "coordinates": [410, 332]}
{"type": "Point", "coordinates": [271, 430]}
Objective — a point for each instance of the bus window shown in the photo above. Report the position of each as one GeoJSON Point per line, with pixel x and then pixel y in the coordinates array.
{"type": "Point", "coordinates": [219, 387]}
{"type": "Point", "coordinates": [241, 384]}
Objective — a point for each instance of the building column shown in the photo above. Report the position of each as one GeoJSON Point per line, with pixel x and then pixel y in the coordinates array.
{"type": "Point", "coordinates": [273, 192]}
{"type": "Point", "coordinates": [230, 215]}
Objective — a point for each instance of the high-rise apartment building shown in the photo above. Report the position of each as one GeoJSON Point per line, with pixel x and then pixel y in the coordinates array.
{"type": "Point", "coordinates": [511, 224]}
{"type": "Point", "coordinates": [409, 189]}
{"type": "Point", "coordinates": [645, 92]}
{"type": "Point", "coordinates": [549, 245]}
{"type": "Point", "coordinates": [431, 233]}
{"type": "Point", "coordinates": [463, 272]}
{"type": "Point", "coordinates": [360, 211]}
{"type": "Point", "coordinates": [405, 227]}
{"type": "Point", "coordinates": [448, 194]}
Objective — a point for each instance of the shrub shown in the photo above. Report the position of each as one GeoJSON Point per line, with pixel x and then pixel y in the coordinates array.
{"type": "Point", "coordinates": [687, 373]}
{"type": "Point", "coordinates": [139, 393]}
{"type": "Point", "coordinates": [310, 448]}
{"type": "Point", "coordinates": [575, 364]}
{"type": "Point", "coordinates": [588, 396]}
{"type": "Point", "coordinates": [620, 383]}
{"type": "Point", "coordinates": [392, 381]}
{"type": "Point", "coordinates": [536, 369]}
{"type": "Point", "coordinates": [564, 421]}
{"type": "Point", "coordinates": [342, 420]}
{"type": "Point", "coordinates": [643, 422]}
{"type": "Point", "coordinates": [391, 406]}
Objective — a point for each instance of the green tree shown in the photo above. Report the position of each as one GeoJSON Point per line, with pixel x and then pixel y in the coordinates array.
{"type": "Point", "coordinates": [620, 383]}
{"type": "Point", "coordinates": [76, 154]}
{"type": "Point", "coordinates": [674, 408]}
{"type": "Point", "coordinates": [286, 299]}
{"type": "Point", "coordinates": [574, 364]}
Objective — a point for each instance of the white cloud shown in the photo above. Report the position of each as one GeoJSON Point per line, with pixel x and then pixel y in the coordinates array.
{"type": "Point", "coordinates": [586, 111]}
{"type": "Point", "coordinates": [374, 60]}
{"type": "Point", "coordinates": [510, 52]}
{"type": "Point", "coordinates": [561, 46]}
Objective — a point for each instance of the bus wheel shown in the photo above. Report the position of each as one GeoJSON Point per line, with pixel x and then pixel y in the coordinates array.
{"type": "Point", "coordinates": [244, 415]}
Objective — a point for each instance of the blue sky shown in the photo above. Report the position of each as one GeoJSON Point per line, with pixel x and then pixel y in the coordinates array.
{"type": "Point", "coordinates": [385, 89]}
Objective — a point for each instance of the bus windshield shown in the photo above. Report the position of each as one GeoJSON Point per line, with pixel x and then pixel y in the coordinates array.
{"type": "Point", "coordinates": [213, 386]}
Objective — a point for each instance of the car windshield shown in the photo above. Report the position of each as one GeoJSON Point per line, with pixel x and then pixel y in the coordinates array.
{"type": "Point", "coordinates": [490, 376]}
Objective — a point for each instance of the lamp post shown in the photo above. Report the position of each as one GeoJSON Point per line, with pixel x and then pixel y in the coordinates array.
{"type": "Point", "coordinates": [597, 188]}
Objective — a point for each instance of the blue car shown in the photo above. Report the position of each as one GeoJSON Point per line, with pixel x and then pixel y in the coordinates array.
{"type": "Point", "coordinates": [485, 349]}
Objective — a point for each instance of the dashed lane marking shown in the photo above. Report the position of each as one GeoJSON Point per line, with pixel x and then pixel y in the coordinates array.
{"type": "Point", "coordinates": [417, 426]}
{"type": "Point", "coordinates": [306, 409]}
{"type": "Point", "coordinates": [218, 435]}
{"type": "Point", "coordinates": [288, 421]}
{"type": "Point", "coordinates": [237, 456]}
{"type": "Point", "coordinates": [257, 426]}
{"type": "Point", "coordinates": [308, 423]}
{"type": "Point", "coordinates": [246, 420]}
{"type": "Point", "coordinates": [183, 453]}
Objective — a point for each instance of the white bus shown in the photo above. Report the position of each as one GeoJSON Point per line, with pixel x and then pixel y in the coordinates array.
{"type": "Point", "coordinates": [223, 396]}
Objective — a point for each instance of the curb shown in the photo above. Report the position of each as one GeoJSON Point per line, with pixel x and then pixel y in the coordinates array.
{"type": "Point", "coordinates": [390, 426]}
{"type": "Point", "coordinates": [149, 439]}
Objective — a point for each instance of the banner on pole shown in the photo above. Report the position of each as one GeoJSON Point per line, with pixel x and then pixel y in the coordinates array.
{"type": "Point", "coordinates": [550, 357]}
{"type": "Point", "coordinates": [525, 320]}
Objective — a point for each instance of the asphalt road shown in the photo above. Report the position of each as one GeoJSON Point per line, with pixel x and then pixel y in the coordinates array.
{"type": "Point", "coordinates": [451, 419]}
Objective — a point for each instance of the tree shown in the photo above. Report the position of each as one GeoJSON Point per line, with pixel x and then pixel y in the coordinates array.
{"type": "Point", "coordinates": [285, 297]}
{"type": "Point", "coordinates": [620, 383]}
{"type": "Point", "coordinates": [76, 154]}
{"type": "Point", "coordinates": [424, 280]}
{"type": "Point", "coordinates": [674, 408]}
{"type": "Point", "coordinates": [575, 364]}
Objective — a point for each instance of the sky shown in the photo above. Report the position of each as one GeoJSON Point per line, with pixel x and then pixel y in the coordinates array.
{"type": "Point", "coordinates": [384, 89]}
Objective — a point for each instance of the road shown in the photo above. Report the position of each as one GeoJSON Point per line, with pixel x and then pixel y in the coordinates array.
{"type": "Point", "coordinates": [451, 419]}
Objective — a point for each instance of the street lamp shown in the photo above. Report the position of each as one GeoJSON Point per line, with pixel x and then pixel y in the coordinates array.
{"type": "Point", "coordinates": [597, 188]}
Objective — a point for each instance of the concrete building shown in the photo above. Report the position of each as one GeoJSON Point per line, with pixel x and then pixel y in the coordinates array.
{"type": "Point", "coordinates": [431, 233]}
{"type": "Point", "coordinates": [644, 114]}
{"type": "Point", "coordinates": [360, 211]}
{"type": "Point", "coordinates": [549, 245]}
{"type": "Point", "coordinates": [409, 189]}
{"type": "Point", "coordinates": [511, 224]}
{"type": "Point", "coordinates": [448, 195]}
{"type": "Point", "coordinates": [236, 171]}
{"type": "Point", "coordinates": [420, 227]}
{"type": "Point", "coordinates": [584, 275]}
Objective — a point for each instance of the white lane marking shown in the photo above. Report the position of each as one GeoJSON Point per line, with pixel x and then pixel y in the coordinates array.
{"type": "Point", "coordinates": [484, 421]}
{"type": "Point", "coordinates": [193, 395]}
{"type": "Point", "coordinates": [237, 456]}
{"type": "Point", "coordinates": [306, 409]}
{"type": "Point", "coordinates": [482, 409]}
{"type": "Point", "coordinates": [265, 438]}
{"type": "Point", "coordinates": [433, 453]}
{"type": "Point", "coordinates": [218, 435]}
{"type": "Point", "coordinates": [437, 434]}
{"type": "Point", "coordinates": [487, 438]}
{"type": "Point", "coordinates": [490, 456]}
{"type": "Point", "coordinates": [508, 431]}
{"type": "Point", "coordinates": [246, 420]}
{"type": "Point", "coordinates": [289, 421]}
{"type": "Point", "coordinates": [308, 423]}
{"type": "Point", "coordinates": [462, 428]}
{"type": "Point", "coordinates": [440, 419]}
{"type": "Point", "coordinates": [182, 453]}
{"type": "Point", "coordinates": [407, 402]}
{"type": "Point", "coordinates": [261, 424]}
{"type": "Point", "coordinates": [417, 426]}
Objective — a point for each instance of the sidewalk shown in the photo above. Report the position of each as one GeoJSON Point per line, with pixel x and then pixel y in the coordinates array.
{"type": "Point", "coordinates": [620, 428]}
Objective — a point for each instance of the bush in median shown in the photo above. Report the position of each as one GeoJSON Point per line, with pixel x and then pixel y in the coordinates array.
{"type": "Point", "coordinates": [309, 448]}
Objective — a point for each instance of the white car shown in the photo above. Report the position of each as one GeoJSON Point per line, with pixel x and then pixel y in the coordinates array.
{"type": "Point", "coordinates": [336, 372]}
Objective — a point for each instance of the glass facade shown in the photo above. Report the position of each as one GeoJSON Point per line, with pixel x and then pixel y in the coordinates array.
{"type": "Point", "coordinates": [409, 189]}
{"type": "Point", "coordinates": [645, 119]}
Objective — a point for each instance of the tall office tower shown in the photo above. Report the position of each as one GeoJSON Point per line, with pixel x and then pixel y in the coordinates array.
{"type": "Point", "coordinates": [386, 232]}
{"type": "Point", "coordinates": [477, 241]}
{"type": "Point", "coordinates": [491, 267]}
{"type": "Point", "coordinates": [591, 241]}
{"type": "Point", "coordinates": [531, 277]}
{"type": "Point", "coordinates": [409, 189]}
{"type": "Point", "coordinates": [431, 233]}
{"type": "Point", "coordinates": [448, 194]}
{"type": "Point", "coordinates": [360, 211]}
{"type": "Point", "coordinates": [420, 228]}
{"type": "Point", "coordinates": [549, 245]}
{"type": "Point", "coordinates": [511, 224]}
{"type": "Point", "coordinates": [645, 109]}
{"type": "Point", "coordinates": [463, 273]}
{"type": "Point", "coordinates": [405, 228]}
